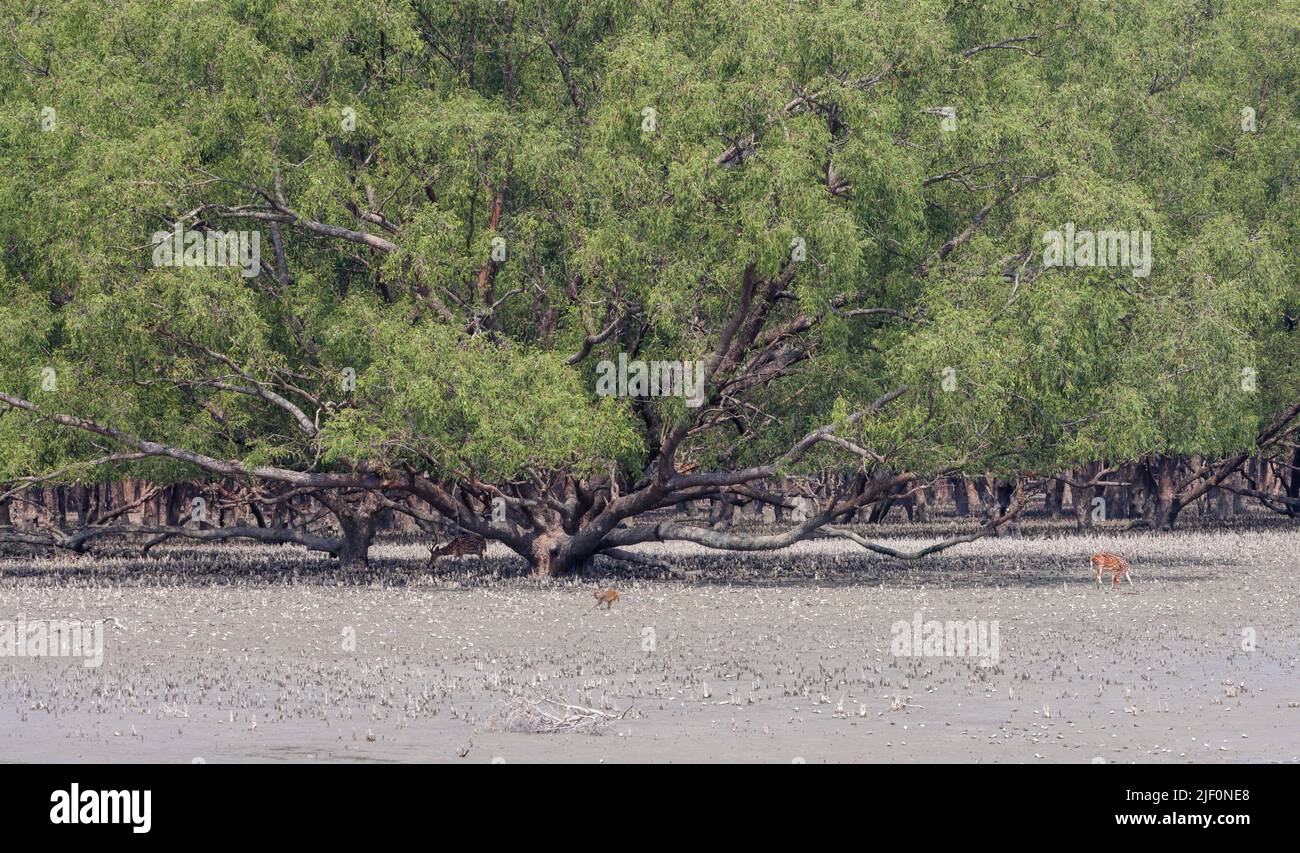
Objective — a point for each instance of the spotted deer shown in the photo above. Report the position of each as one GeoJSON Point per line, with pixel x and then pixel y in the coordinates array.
{"type": "Point", "coordinates": [606, 597]}
{"type": "Point", "coordinates": [1113, 563]}
{"type": "Point", "coordinates": [467, 544]}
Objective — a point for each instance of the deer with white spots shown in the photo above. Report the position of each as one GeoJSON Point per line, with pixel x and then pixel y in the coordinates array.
{"type": "Point", "coordinates": [469, 544]}
{"type": "Point", "coordinates": [1113, 563]}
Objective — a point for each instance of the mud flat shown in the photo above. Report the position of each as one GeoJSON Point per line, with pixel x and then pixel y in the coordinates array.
{"type": "Point", "coordinates": [265, 655]}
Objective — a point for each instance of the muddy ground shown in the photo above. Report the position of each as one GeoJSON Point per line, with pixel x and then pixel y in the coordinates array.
{"type": "Point", "coordinates": [244, 654]}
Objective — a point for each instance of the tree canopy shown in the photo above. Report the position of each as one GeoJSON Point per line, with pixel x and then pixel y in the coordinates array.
{"type": "Point", "coordinates": [840, 209]}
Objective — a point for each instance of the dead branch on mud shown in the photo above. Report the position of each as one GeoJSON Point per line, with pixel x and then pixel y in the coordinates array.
{"type": "Point", "coordinates": [547, 715]}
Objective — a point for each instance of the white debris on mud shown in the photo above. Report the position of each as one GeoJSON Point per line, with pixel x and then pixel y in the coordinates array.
{"type": "Point", "coordinates": [256, 653]}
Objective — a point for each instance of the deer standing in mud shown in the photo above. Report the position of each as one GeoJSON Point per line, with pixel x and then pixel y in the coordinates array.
{"type": "Point", "coordinates": [1113, 563]}
{"type": "Point", "coordinates": [459, 547]}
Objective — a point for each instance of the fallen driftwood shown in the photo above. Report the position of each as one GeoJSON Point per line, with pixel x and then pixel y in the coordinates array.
{"type": "Point", "coordinates": [544, 715]}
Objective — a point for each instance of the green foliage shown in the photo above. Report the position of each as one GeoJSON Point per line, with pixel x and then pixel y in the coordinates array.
{"type": "Point", "coordinates": [1116, 115]}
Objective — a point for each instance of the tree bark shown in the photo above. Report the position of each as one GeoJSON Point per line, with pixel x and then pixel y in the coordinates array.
{"type": "Point", "coordinates": [1165, 505]}
{"type": "Point", "coordinates": [1081, 497]}
{"type": "Point", "coordinates": [922, 505]}
{"type": "Point", "coordinates": [1004, 492]}
{"type": "Point", "coordinates": [357, 518]}
{"type": "Point", "coordinates": [354, 552]}
{"type": "Point", "coordinates": [1293, 482]}
{"type": "Point", "coordinates": [961, 497]}
{"type": "Point", "coordinates": [1054, 499]}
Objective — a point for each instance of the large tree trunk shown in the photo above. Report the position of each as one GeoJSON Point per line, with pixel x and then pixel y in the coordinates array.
{"type": "Point", "coordinates": [880, 511]}
{"type": "Point", "coordinates": [61, 501]}
{"type": "Point", "coordinates": [150, 511]}
{"type": "Point", "coordinates": [119, 493]}
{"type": "Point", "coordinates": [961, 497]}
{"type": "Point", "coordinates": [994, 495]}
{"type": "Point", "coordinates": [1238, 501]}
{"type": "Point", "coordinates": [981, 485]}
{"type": "Point", "coordinates": [1004, 491]}
{"type": "Point", "coordinates": [50, 499]}
{"type": "Point", "coordinates": [1165, 504]}
{"type": "Point", "coordinates": [544, 557]}
{"type": "Point", "coordinates": [83, 505]}
{"type": "Point", "coordinates": [357, 520]}
{"type": "Point", "coordinates": [175, 501]}
{"type": "Point", "coordinates": [555, 553]}
{"type": "Point", "coordinates": [721, 514]}
{"type": "Point", "coordinates": [1081, 498]}
{"type": "Point", "coordinates": [1055, 497]}
{"type": "Point", "coordinates": [922, 505]}
{"type": "Point", "coordinates": [354, 552]}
